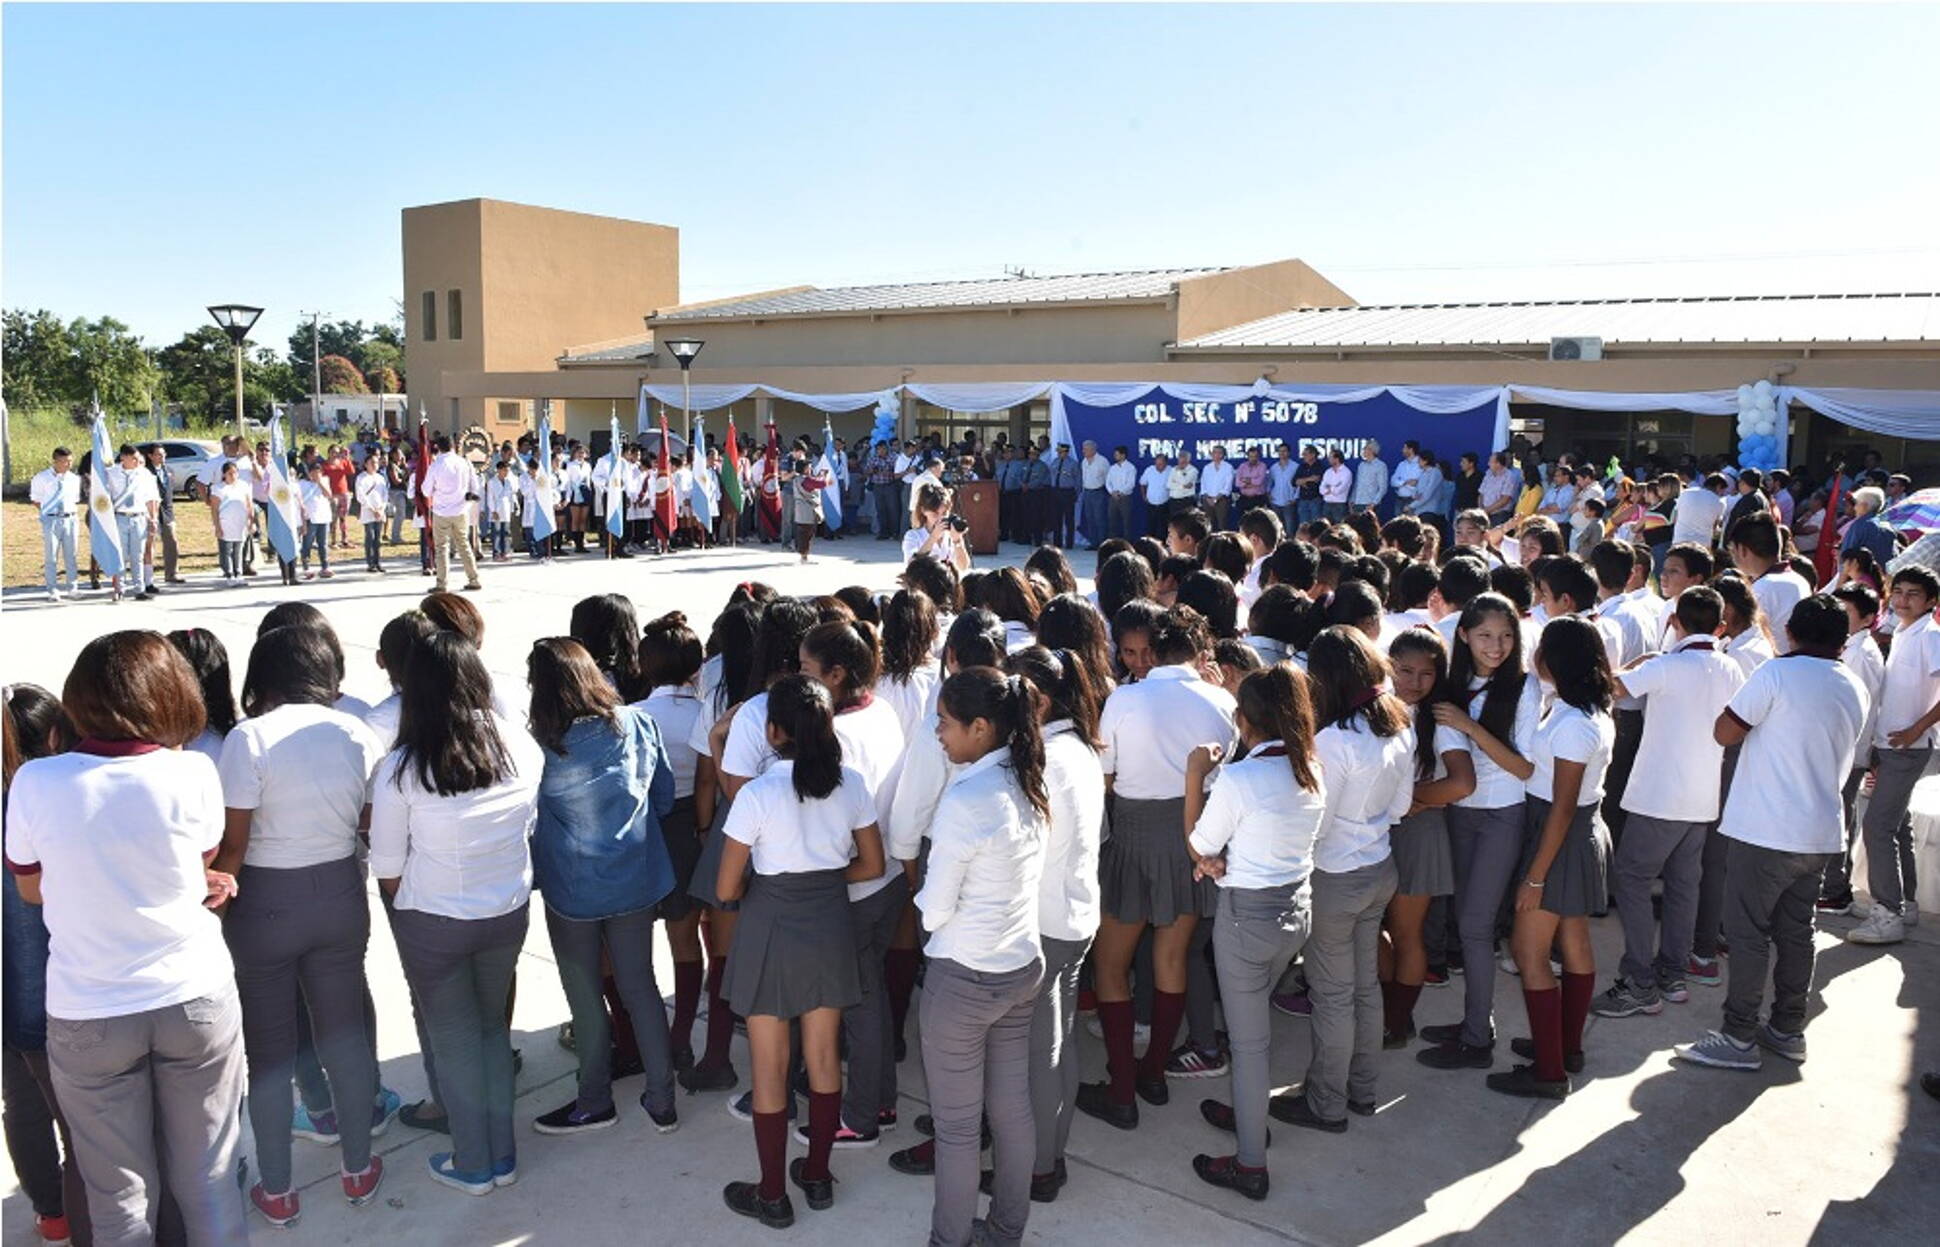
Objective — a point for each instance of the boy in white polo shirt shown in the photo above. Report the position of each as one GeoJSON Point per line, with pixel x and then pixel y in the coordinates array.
{"type": "Point", "coordinates": [1903, 736]}
{"type": "Point", "coordinates": [1671, 803]}
{"type": "Point", "coordinates": [1863, 659]}
{"type": "Point", "coordinates": [1799, 718]}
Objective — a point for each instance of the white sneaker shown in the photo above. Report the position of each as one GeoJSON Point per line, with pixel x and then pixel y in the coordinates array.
{"type": "Point", "coordinates": [1882, 926]}
{"type": "Point", "coordinates": [1507, 964]}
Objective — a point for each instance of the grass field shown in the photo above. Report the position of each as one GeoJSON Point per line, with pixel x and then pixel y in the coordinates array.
{"type": "Point", "coordinates": [32, 436]}
{"type": "Point", "coordinates": [21, 524]}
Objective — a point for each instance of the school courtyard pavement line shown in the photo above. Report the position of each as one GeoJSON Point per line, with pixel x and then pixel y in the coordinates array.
{"type": "Point", "coordinates": [1840, 1149]}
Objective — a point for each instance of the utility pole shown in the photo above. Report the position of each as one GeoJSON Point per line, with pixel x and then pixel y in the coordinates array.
{"type": "Point", "coordinates": [316, 369]}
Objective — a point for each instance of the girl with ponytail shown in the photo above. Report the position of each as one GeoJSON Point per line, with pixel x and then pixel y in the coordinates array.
{"type": "Point", "coordinates": [843, 658]}
{"type": "Point", "coordinates": [1254, 834]}
{"type": "Point", "coordinates": [911, 673]}
{"type": "Point", "coordinates": [1444, 772]}
{"type": "Point", "coordinates": [1366, 751]}
{"type": "Point", "coordinates": [980, 905]}
{"type": "Point", "coordinates": [808, 827]}
{"type": "Point", "coordinates": [1067, 897]}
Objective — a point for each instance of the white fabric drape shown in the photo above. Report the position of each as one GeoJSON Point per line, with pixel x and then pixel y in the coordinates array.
{"type": "Point", "coordinates": [1892, 413]}
{"type": "Point", "coordinates": [1702, 402]}
{"type": "Point", "coordinates": [705, 397]}
{"type": "Point", "coordinates": [977, 397]}
{"type": "Point", "coordinates": [834, 402]}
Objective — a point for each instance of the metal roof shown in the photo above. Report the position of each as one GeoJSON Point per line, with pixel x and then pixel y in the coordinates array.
{"type": "Point", "coordinates": [1751, 318]}
{"type": "Point", "coordinates": [616, 350]}
{"type": "Point", "coordinates": [980, 292]}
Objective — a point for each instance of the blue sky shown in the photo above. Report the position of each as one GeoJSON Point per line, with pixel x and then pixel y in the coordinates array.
{"type": "Point", "coordinates": [1409, 152]}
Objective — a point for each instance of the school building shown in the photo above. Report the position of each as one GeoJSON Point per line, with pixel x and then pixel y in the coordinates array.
{"type": "Point", "coordinates": [507, 304]}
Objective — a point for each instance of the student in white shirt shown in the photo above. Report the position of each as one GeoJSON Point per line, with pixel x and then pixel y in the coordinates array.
{"type": "Point", "coordinates": [911, 674]}
{"type": "Point", "coordinates": [1863, 658]}
{"type": "Point", "coordinates": [314, 502]}
{"type": "Point", "coordinates": [1672, 805]}
{"type": "Point", "coordinates": [1067, 900]}
{"type": "Point", "coordinates": [136, 499]}
{"type": "Point", "coordinates": [500, 505]}
{"type": "Point", "coordinates": [1254, 834]}
{"type": "Point", "coordinates": [296, 778]}
{"type": "Point", "coordinates": [1903, 739]}
{"type": "Point", "coordinates": [1799, 720]}
{"type": "Point", "coordinates": [844, 656]}
{"type": "Point", "coordinates": [931, 535]}
{"type": "Point", "coordinates": [1565, 872]}
{"type": "Point", "coordinates": [1485, 828]}
{"type": "Point", "coordinates": [452, 808]}
{"type": "Point", "coordinates": [807, 826]}
{"type": "Point", "coordinates": [1260, 529]}
{"type": "Point", "coordinates": [576, 487]}
{"type": "Point", "coordinates": [1755, 550]}
{"type": "Point", "coordinates": [1614, 564]}
{"type": "Point", "coordinates": [235, 522]}
{"type": "Point", "coordinates": [1148, 729]}
{"type": "Point", "coordinates": [373, 506]}
{"type": "Point", "coordinates": [111, 840]}
{"type": "Point", "coordinates": [979, 903]}
{"type": "Point", "coordinates": [1444, 773]}
{"type": "Point", "coordinates": [56, 494]}
{"type": "Point", "coordinates": [1365, 745]}
{"type": "Point", "coordinates": [1697, 512]}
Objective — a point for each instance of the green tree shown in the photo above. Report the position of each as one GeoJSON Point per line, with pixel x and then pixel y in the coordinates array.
{"type": "Point", "coordinates": [340, 376]}
{"type": "Point", "coordinates": [383, 381]}
{"type": "Point", "coordinates": [342, 337]}
{"type": "Point", "coordinates": [199, 372]}
{"type": "Point", "coordinates": [36, 360]}
{"type": "Point", "coordinates": [375, 353]}
{"type": "Point", "coordinates": [111, 363]}
{"type": "Point", "coordinates": [274, 374]}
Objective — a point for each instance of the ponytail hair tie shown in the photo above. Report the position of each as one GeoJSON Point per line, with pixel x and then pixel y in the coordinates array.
{"type": "Point", "coordinates": [1066, 661]}
{"type": "Point", "coordinates": [1014, 688]}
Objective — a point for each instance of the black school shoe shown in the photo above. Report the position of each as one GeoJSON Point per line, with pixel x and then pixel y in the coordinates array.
{"type": "Point", "coordinates": [1456, 1055]}
{"type": "Point", "coordinates": [1153, 1091]}
{"type": "Point", "coordinates": [1094, 1100]}
{"type": "Point", "coordinates": [1219, 1115]}
{"type": "Point", "coordinates": [1044, 1186]}
{"type": "Point", "coordinates": [745, 1198]}
{"type": "Point", "coordinates": [1225, 1171]}
{"type": "Point", "coordinates": [1522, 1081]}
{"type": "Point", "coordinates": [926, 1126]}
{"type": "Point", "coordinates": [820, 1193]}
{"type": "Point", "coordinates": [1295, 1111]}
{"type": "Point", "coordinates": [1397, 1039]}
{"type": "Point", "coordinates": [918, 1161]}
{"type": "Point", "coordinates": [1525, 1048]}
{"type": "Point", "coordinates": [705, 1077]}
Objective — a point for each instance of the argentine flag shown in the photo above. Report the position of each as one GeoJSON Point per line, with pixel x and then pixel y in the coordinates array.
{"type": "Point", "coordinates": [544, 482]}
{"type": "Point", "coordinates": [697, 472]}
{"type": "Point", "coordinates": [615, 487]}
{"type": "Point", "coordinates": [104, 536]}
{"type": "Point", "coordinates": [283, 513]}
{"type": "Point", "coordinates": [832, 492]}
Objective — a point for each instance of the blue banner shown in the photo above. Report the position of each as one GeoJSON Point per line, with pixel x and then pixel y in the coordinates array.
{"type": "Point", "coordinates": [1161, 424]}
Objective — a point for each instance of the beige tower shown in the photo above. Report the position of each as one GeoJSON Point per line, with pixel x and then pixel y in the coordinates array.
{"type": "Point", "coordinates": [491, 286]}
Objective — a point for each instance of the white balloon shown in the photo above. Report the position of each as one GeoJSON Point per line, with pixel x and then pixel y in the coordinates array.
{"type": "Point", "coordinates": [1744, 396]}
{"type": "Point", "coordinates": [1766, 428]}
{"type": "Point", "coordinates": [1765, 403]}
{"type": "Point", "coordinates": [1762, 388]}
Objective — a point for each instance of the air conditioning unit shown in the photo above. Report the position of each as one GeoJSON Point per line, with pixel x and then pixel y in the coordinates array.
{"type": "Point", "coordinates": [1575, 348]}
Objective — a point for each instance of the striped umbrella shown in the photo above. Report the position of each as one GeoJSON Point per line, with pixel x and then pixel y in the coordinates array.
{"type": "Point", "coordinates": [1917, 512]}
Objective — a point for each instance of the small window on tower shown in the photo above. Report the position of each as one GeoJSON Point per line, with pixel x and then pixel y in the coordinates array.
{"type": "Point", "coordinates": [430, 316]}
{"type": "Point", "coordinates": [454, 316]}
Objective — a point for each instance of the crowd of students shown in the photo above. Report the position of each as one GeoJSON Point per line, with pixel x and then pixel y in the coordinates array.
{"type": "Point", "coordinates": [1311, 771]}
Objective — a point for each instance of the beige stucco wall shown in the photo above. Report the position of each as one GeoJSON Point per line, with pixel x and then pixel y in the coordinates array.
{"type": "Point", "coordinates": [1238, 296]}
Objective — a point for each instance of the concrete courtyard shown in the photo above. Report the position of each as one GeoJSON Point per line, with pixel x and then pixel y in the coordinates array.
{"type": "Point", "coordinates": [1842, 1149]}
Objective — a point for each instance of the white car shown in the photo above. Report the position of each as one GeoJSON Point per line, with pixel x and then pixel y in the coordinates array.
{"type": "Point", "coordinates": [186, 459]}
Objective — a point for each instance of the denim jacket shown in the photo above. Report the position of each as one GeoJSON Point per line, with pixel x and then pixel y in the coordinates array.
{"type": "Point", "coordinates": [597, 850]}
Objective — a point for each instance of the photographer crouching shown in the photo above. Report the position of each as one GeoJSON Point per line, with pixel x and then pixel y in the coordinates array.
{"type": "Point", "coordinates": [938, 533]}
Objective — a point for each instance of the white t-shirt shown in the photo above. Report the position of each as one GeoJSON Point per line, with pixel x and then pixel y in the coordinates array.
{"type": "Point", "coordinates": [675, 710]}
{"type": "Point", "coordinates": [1262, 818]}
{"type": "Point", "coordinates": [464, 856]}
{"type": "Point", "coordinates": [1805, 715]}
{"type": "Point", "coordinates": [1568, 734]}
{"type": "Point", "coordinates": [788, 835]}
{"type": "Point", "coordinates": [1153, 479]}
{"type": "Point", "coordinates": [1149, 727]}
{"type": "Point", "coordinates": [1749, 649]}
{"type": "Point", "coordinates": [234, 507]}
{"type": "Point", "coordinates": [304, 772]}
{"type": "Point", "coordinates": [120, 843]}
{"type": "Point", "coordinates": [314, 500]}
{"type": "Point", "coordinates": [1912, 682]}
{"type": "Point", "coordinates": [1678, 760]}
{"type": "Point", "coordinates": [1496, 788]}
{"type": "Point", "coordinates": [1695, 516]}
{"type": "Point", "coordinates": [1369, 783]}
{"type": "Point", "coordinates": [944, 551]}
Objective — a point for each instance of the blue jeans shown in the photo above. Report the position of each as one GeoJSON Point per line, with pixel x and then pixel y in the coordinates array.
{"type": "Point", "coordinates": [500, 533]}
{"type": "Point", "coordinates": [374, 544]}
{"type": "Point", "coordinates": [316, 536]}
{"type": "Point", "coordinates": [1094, 516]}
{"type": "Point", "coordinates": [57, 533]}
{"type": "Point", "coordinates": [1306, 511]}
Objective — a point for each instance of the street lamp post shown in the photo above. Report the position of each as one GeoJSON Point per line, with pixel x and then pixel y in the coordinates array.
{"type": "Point", "coordinates": [684, 350]}
{"type": "Point", "coordinates": [236, 320]}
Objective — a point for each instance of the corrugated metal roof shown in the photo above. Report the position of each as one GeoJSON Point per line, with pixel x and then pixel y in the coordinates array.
{"type": "Point", "coordinates": [616, 350]}
{"type": "Point", "coordinates": [982, 292]}
{"type": "Point", "coordinates": [1753, 318]}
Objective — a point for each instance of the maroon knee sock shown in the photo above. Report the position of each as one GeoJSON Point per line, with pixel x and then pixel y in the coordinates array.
{"type": "Point", "coordinates": [687, 1001]}
{"type": "Point", "coordinates": [1389, 1022]}
{"type": "Point", "coordinates": [1577, 992]}
{"type": "Point", "coordinates": [899, 977]}
{"type": "Point", "coordinates": [1546, 1030]}
{"type": "Point", "coordinates": [1167, 1009]}
{"type": "Point", "coordinates": [824, 1115]}
{"type": "Point", "coordinates": [771, 1145]}
{"type": "Point", "coordinates": [1115, 1017]}
{"type": "Point", "coordinates": [626, 1048]}
{"type": "Point", "coordinates": [720, 1018]}
{"type": "Point", "coordinates": [1405, 995]}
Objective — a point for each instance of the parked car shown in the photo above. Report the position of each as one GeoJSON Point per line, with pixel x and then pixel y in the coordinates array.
{"type": "Point", "coordinates": [186, 460]}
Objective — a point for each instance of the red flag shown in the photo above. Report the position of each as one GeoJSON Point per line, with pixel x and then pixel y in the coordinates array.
{"type": "Point", "coordinates": [422, 466]}
{"type": "Point", "coordinates": [664, 509]}
{"type": "Point", "coordinates": [1825, 558]}
{"type": "Point", "coordinates": [771, 485]}
{"type": "Point", "coordinates": [731, 479]}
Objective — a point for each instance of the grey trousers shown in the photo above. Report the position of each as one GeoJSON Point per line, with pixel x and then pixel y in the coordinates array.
{"type": "Point", "coordinates": [298, 938]}
{"type": "Point", "coordinates": [977, 1056]}
{"type": "Point", "coordinates": [1054, 1057]}
{"type": "Point", "coordinates": [1343, 983]}
{"type": "Point", "coordinates": [1838, 871]}
{"type": "Point", "coordinates": [1888, 828]}
{"type": "Point", "coordinates": [868, 1027]}
{"type": "Point", "coordinates": [1711, 880]}
{"type": "Point", "coordinates": [628, 941]}
{"type": "Point", "coordinates": [1487, 848]}
{"type": "Point", "coordinates": [461, 972]}
{"type": "Point", "coordinates": [1256, 934]}
{"type": "Point", "coordinates": [1651, 847]}
{"type": "Point", "coordinates": [153, 1093]}
{"type": "Point", "coordinates": [1768, 918]}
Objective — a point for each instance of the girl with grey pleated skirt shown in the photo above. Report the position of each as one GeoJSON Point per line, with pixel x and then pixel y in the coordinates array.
{"type": "Point", "coordinates": [1444, 772]}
